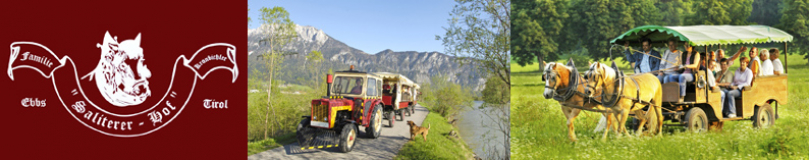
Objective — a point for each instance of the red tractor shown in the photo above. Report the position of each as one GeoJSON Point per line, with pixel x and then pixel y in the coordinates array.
{"type": "Point", "coordinates": [353, 99]}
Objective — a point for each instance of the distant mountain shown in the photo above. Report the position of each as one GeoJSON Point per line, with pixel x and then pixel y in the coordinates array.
{"type": "Point", "coordinates": [418, 66]}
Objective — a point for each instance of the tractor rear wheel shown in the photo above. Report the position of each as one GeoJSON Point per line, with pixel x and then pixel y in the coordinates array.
{"type": "Point", "coordinates": [763, 117]}
{"type": "Point", "coordinates": [348, 135]}
{"type": "Point", "coordinates": [696, 120]}
{"type": "Point", "coordinates": [375, 126]}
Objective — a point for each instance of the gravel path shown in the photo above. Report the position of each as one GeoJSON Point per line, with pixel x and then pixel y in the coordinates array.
{"type": "Point", "coordinates": [384, 147]}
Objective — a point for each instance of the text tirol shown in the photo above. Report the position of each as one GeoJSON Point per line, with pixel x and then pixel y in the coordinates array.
{"type": "Point", "coordinates": [213, 104]}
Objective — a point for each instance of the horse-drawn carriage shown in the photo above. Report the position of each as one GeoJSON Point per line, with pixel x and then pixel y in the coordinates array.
{"type": "Point", "coordinates": [399, 96]}
{"type": "Point", "coordinates": [702, 107]}
{"type": "Point", "coordinates": [608, 90]}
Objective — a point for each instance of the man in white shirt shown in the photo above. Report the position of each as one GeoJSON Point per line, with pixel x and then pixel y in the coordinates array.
{"type": "Point", "coordinates": [766, 63]}
{"type": "Point", "coordinates": [777, 66]}
{"type": "Point", "coordinates": [671, 58]}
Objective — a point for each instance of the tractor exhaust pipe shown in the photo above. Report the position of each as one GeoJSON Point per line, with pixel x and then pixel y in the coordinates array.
{"type": "Point", "coordinates": [329, 80]}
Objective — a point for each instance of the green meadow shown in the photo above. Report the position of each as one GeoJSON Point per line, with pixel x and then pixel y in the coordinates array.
{"type": "Point", "coordinates": [539, 128]}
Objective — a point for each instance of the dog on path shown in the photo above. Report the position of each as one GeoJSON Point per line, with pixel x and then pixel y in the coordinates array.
{"type": "Point", "coordinates": [416, 130]}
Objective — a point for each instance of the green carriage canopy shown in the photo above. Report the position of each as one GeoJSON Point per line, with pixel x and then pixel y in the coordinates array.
{"type": "Point", "coordinates": [702, 35]}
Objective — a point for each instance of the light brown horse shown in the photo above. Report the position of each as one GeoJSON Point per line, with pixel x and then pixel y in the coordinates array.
{"type": "Point", "coordinates": [626, 94]}
{"type": "Point", "coordinates": [558, 79]}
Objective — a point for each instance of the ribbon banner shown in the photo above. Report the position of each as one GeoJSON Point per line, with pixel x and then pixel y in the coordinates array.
{"type": "Point", "coordinates": [67, 84]}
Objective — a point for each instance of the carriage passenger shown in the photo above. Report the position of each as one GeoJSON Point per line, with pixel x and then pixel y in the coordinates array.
{"type": "Point", "coordinates": [720, 53]}
{"type": "Point", "coordinates": [755, 62]}
{"type": "Point", "coordinates": [725, 78]}
{"type": "Point", "coordinates": [766, 63]}
{"type": "Point", "coordinates": [643, 62]}
{"type": "Point", "coordinates": [671, 55]}
{"type": "Point", "coordinates": [733, 58]}
{"type": "Point", "coordinates": [689, 61]}
{"type": "Point", "coordinates": [711, 74]}
{"type": "Point", "coordinates": [777, 67]}
{"type": "Point", "coordinates": [743, 77]}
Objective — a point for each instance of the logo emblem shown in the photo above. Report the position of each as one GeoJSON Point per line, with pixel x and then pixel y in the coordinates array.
{"type": "Point", "coordinates": [121, 75]}
{"type": "Point", "coordinates": [122, 79]}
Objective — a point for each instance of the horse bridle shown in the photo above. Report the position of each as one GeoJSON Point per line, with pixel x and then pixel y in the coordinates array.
{"type": "Point", "coordinates": [553, 87]}
{"type": "Point", "coordinates": [605, 101]}
{"type": "Point", "coordinates": [569, 91]}
{"type": "Point", "coordinates": [589, 76]}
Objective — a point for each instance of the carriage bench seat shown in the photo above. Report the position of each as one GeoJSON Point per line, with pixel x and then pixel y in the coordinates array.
{"type": "Point", "coordinates": [671, 91]}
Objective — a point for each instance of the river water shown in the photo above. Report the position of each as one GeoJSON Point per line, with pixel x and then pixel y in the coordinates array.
{"type": "Point", "coordinates": [483, 133]}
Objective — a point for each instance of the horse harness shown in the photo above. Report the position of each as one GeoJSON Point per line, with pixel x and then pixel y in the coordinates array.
{"type": "Point", "coordinates": [610, 102]}
{"type": "Point", "coordinates": [569, 91]}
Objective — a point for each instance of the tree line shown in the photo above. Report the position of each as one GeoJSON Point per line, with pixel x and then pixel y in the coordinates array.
{"type": "Point", "coordinates": [544, 30]}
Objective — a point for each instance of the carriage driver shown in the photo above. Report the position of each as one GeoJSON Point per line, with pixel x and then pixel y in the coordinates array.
{"type": "Point", "coordinates": [671, 55]}
{"type": "Point", "coordinates": [643, 62]}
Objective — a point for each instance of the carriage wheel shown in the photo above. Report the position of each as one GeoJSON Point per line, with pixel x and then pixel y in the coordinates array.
{"type": "Point", "coordinates": [390, 118]}
{"type": "Point", "coordinates": [401, 114]}
{"type": "Point", "coordinates": [763, 117]}
{"type": "Point", "coordinates": [696, 120]}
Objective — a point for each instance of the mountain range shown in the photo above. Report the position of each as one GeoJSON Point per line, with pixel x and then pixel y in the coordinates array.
{"type": "Point", "coordinates": [418, 66]}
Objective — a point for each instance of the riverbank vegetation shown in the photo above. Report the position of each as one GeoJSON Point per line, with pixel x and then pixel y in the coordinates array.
{"type": "Point", "coordinates": [443, 142]}
{"type": "Point", "coordinates": [444, 100]}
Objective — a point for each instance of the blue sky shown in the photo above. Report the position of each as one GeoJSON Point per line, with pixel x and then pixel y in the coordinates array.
{"type": "Point", "coordinates": [370, 26]}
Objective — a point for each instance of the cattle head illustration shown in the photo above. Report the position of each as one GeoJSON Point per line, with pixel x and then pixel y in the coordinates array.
{"type": "Point", "coordinates": [121, 75]}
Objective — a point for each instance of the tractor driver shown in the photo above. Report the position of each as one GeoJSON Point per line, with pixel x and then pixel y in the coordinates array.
{"type": "Point", "coordinates": [357, 88]}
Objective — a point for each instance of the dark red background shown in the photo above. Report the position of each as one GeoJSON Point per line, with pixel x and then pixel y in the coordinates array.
{"type": "Point", "coordinates": [169, 29]}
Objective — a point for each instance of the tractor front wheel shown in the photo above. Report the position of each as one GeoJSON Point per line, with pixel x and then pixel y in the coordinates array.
{"type": "Point", "coordinates": [304, 133]}
{"type": "Point", "coordinates": [348, 137]}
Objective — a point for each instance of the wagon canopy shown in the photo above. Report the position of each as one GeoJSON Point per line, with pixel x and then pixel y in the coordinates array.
{"type": "Point", "coordinates": [702, 35]}
{"type": "Point", "coordinates": [387, 76]}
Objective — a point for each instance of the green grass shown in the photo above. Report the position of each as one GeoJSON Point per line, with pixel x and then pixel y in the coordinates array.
{"type": "Point", "coordinates": [283, 117]}
{"type": "Point", "coordinates": [439, 144]}
{"type": "Point", "coordinates": [539, 130]}
{"type": "Point", "coordinates": [270, 143]}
